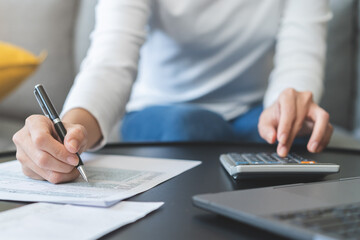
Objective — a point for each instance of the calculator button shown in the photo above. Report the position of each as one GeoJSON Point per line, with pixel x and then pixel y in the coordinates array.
{"type": "Point", "coordinates": [297, 157]}
{"type": "Point", "coordinates": [287, 159]}
{"type": "Point", "coordinates": [252, 159]}
{"type": "Point", "coordinates": [238, 159]}
{"type": "Point", "coordinates": [268, 158]}
{"type": "Point", "coordinates": [280, 159]}
{"type": "Point", "coordinates": [307, 162]}
{"type": "Point", "coordinates": [290, 160]}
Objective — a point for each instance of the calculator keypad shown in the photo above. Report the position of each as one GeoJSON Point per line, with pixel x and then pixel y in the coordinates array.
{"type": "Point", "coordinates": [267, 158]}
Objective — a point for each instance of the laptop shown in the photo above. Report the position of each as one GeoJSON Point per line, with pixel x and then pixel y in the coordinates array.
{"type": "Point", "coordinates": [319, 210]}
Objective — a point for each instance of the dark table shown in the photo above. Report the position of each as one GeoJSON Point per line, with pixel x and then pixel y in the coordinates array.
{"type": "Point", "coordinates": [178, 218]}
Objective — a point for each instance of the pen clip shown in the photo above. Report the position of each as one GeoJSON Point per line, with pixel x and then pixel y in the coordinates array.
{"type": "Point", "coordinates": [43, 108]}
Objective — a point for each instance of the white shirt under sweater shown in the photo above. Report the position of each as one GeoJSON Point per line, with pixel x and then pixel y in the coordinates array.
{"type": "Point", "coordinates": [218, 54]}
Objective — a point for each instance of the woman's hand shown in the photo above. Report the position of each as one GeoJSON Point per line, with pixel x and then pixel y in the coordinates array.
{"type": "Point", "coordinates": [295, 114]}
{"type": "Point", "coordinates": [43, 156]}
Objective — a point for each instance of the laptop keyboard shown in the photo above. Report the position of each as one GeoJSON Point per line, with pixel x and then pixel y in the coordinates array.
{"type": "Point", "coordinates": [339, 222]}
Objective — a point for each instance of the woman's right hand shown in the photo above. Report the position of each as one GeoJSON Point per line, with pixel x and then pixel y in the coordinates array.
{"type": "Point", "coordinates": [41, 153]}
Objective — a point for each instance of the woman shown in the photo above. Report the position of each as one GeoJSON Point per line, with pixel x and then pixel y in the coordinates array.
{"type": "Point", "coordinates": [202, 69]}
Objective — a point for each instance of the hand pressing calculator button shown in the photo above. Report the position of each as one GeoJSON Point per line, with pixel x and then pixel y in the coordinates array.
{"type": "Point", "coordinates": [245, 165]}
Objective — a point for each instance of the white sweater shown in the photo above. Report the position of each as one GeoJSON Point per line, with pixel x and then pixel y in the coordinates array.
{"type": "Point", "coordinates": [218, 54]}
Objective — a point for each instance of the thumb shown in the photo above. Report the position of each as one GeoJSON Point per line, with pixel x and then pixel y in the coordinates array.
{"type": "Point", "coordinates": [75, 139]}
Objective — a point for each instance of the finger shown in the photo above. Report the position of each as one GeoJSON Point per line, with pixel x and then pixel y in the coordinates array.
{"type": "Point", "coordinates": [43, 159]}
{"type": "Point", "coordinates": [30, 169]}
{"type": "Point", "coordinates": [321, 120]}
{"type": "Point", "coordinates": [41, 124]}
{"type": "Point", "coordinates": [42, 139]}
{"type": "Point", "coordinates": [282, 150]}
{"type": "Point", "coordinates": [287, 103]}
{"type": "Point", "coordinates": [326, 138]}
{"type": "Point", "coordinates": [267, 126]}
{"type": "Point", "coordinates": [286, 121]}
{"type": "Point", "coordinates": [303, 101]}
{"type": "Point", "coordinates": [23, 159]}
{"type": "Point", "coordinates": [55, 177]}
{"type": "Point", "coordinates": [30, 173]}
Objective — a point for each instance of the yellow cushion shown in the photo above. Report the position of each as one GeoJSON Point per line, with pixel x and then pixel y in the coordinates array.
{"type": "Point", "coordinates": [15, 65]}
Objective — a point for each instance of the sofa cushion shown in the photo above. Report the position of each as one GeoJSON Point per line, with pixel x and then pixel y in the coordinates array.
{"type": "Point", "coordinates": [16, 64]}
{"type": "Point", "coordinates": [40, 25]}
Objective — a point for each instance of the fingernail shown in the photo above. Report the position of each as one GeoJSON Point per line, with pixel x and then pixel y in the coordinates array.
{"type": "Point", "coordinates": [282, 151]}
{"type": "Point", "coordinates": [72, 160]}
{"type": "Point", "coordinates": [314, 146]}
{"type": "Point", "coordinates": [74, 145]}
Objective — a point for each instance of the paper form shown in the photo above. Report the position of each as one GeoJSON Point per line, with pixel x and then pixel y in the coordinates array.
{"type": "Point", "coordinates": [55, 221]}
{"type": "Point", "coordinates": [111, 178]}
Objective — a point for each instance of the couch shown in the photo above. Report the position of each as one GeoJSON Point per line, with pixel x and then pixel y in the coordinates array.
{"type": "Point", "coordinates": [62, 28]}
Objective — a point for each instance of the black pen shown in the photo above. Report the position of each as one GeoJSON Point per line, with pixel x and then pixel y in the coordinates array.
{"type": "Point", "coordinates": [49, 111]}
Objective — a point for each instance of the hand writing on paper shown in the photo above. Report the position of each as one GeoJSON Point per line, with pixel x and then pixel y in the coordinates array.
{"type": "Point", "coordinates": [41, 153]}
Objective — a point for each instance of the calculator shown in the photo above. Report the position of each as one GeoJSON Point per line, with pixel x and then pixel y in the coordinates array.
{"type": "Point", "coordinates": [248, 165]}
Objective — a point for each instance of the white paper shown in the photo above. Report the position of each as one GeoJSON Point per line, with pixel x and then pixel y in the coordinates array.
{"type": "Point", "coordinates": [111, 178]}
{"type": "Point", "coordinates": [55, 221]}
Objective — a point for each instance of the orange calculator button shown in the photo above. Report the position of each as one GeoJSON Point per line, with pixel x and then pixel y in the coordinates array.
{"type": "Point", "coordinates": [307, 162]}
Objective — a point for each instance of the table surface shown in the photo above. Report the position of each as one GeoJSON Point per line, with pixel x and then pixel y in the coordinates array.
{"type": "Point", "coordinates": [178, 218]}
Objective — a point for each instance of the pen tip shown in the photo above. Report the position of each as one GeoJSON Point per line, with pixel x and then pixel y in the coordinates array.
{"type": "Point", "coordinates": [82, 172]}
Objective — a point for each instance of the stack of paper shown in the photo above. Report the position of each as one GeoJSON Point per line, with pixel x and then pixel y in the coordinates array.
{"type": "Point", "coordinates": [112, 178]}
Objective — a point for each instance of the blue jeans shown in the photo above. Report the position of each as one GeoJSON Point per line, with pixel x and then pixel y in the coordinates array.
{"type": "Point", "coordinates": [188, 123]}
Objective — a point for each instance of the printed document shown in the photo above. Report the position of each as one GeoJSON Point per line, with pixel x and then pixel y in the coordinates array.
{"type": "Point", "coordinates": [111, 178]}
{"type": "Point", "coordinates": [56, 221]}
